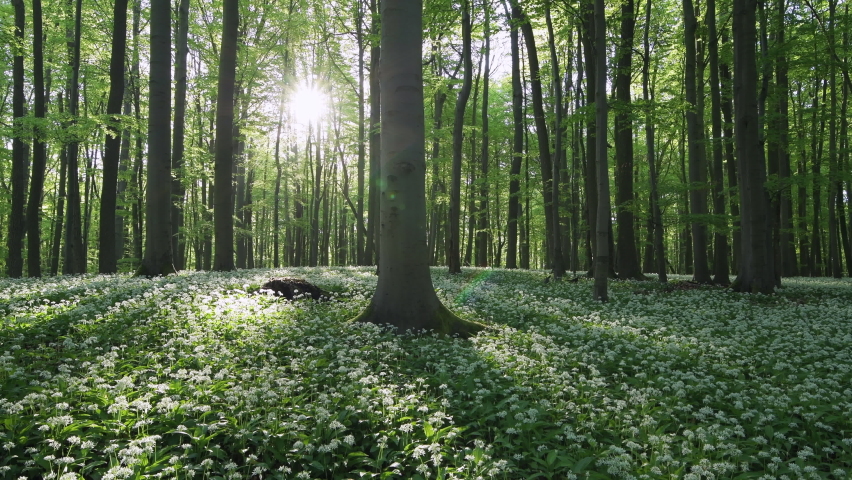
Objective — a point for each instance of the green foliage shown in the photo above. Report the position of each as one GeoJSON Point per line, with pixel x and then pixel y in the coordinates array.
{"type": "Point", "coordinates": [143, 378]}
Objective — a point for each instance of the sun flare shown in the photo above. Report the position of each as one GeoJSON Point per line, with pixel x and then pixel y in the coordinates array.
{"type": "Point", "coordinates": [308, 104]}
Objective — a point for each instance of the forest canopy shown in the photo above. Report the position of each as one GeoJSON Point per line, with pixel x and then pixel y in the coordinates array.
{"type": "Point", "coordinates": [113, 113]}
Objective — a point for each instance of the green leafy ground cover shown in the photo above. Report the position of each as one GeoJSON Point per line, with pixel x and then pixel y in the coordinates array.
{"type": "Point", "coordinates": [193, 376]}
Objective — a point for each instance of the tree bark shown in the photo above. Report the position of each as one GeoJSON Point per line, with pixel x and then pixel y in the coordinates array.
{"type": "Point", "coordinates": [223, 211]}
{"type": "Point", "coordinates": [757, 273]}
{"type": "Point", "coordinates": [514, 213]}
{"type": "Point", "coordinates": [628, 259]}
{"type": "Point", "coordinates": [482, 229]}
{"type": "Point", "coordinates": [75, 258]}
{"type": "Point", "coordinates": [454, 245]}
{"type": "Point", "coordinates": [405, 297]}
{"type": "Point", "coordinates": [178, 189]}
{"type": "Point", "coordinates": [697, 167]}
{"type": "Point", "coordinates": [721, 267]}
{"type": "Point", "coordinates": [543, 140]}
{"type": "Point", "coordinates": [650, 145]}
{"type": "Point", "coordinates": [107, 255]}
{"type": "Point", "coordinates": [15, 240]}
{"type": "Point", "coordinates": [39, 165]}
{"type": "Point", "coordinates": [157, 259]}
{"type": "Point", "coordinates": [602, 257]}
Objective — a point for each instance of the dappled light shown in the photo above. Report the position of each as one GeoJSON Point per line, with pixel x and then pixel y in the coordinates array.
{"type": "Point", "coordinates": [208, 373]}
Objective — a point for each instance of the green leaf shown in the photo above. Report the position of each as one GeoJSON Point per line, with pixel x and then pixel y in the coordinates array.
{"type": "Point", "coordinates": [582, 464]}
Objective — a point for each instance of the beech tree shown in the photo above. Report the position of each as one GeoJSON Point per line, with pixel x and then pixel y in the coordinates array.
{"type": "Point", "coordinates": [757, 269]}
{"type": "Point", "coordinates": [405, 297]}
{"type": "Point", "coordinates": [157, 259]}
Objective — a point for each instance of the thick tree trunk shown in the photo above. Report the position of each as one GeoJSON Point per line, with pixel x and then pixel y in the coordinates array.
{"type": "Point", "coordinates": [107, 255]}
{"type": "Point", "coordinates": [405, 297]}
{"type": "Point", "coordinates": [157, 259]}
{"type": "Point", "coordinates": [223, 212]}
{"type": "Point", "coordinates": [555, 239]}
{"type": "Point", "coordinates": [757, 272]}
{"type": "Point", "coordinates": [39, 150]}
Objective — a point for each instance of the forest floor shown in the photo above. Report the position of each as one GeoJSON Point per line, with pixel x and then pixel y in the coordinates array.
{"type": "Point", "coordinates": [195, 375]}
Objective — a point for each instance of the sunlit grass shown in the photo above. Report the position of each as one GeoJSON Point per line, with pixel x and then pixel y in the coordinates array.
{"type": "Point", "coordinates": [194, 375]}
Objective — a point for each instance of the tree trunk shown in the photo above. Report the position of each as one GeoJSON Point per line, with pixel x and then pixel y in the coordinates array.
{"type": "Point", "coordinates": [628, 259]}
{"type": "Point", "coordinates": [405, 297]}
{"type": "Point", "coordinates": [591, 178]}
{"type": "Point", "coordinates": [107, 255]}
{"type": "Point", "coordinates": [178, 189]}
{"type": "Point", "coordinates": [727, 108]}
{"type": "Point", "coordinates": [157, 259]}
{"type": "Point", "coordinates": [75, 258]}
{"type": "Point", "coordinates": [602, 261]}
{"type": "Point", "coordinates": [697, 168]}
{"type": "Point", "coordinates": [543, 139]}
{"type": "Point", "coordinates": [757, 273]}
{"type": "Point", "coordinates": [556, 240]}
{"type": "Point", "coordinates": [482, 229]}
{"type": "Point", "coordinates": [56, 251]}
{"type": "Point", "coordinates": [39, 165]}
{"type": "Point", "coordinates": [650, 145]}
{"type": "Point", "coordinates": [372, 248]}
{"type": "Point", "coordinates": [721, 268]}
{"type": "Point", "coordinates": [15, 240]}
{"type": "Point", "coordinates": [454, 246]}
{"type": "Point", "coordinates": [514, 213]}
{"type": "Point", "coordinates": [223, 211]}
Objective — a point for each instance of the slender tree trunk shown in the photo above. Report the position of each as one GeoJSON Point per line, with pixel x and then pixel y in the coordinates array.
{"type": "Point", "coordinates": [730, 162]}
{"type": "Point", "coordinates": [454, 245]}
{"type": "Point", "coordinates": [789, 264]}
{"type": "Point", "coordinates": [60, 205]}
{"type": "Point", "coordinates": [372, 248]}
{"type": "Point", "coordinates": [362, 140]}
{"type": "Point", "coordinates": [697, 169]}
{"type": "Point", "coordinates": [543, 140]}
{"type": "Point", "coordinates": [482, 228]}
{"type": "Point", "coordinates": [556, 78]}
{"type": "Point", "coordinates": [107, 255]}
{"type": "Point", "coordinates": [39, 165]}
{"type": "Point", "coordinates": [591, 177]}
{"type": "Point", "coordinates": [514, 213]}
{"type": "Point", "coordinates": [628, 259]}
{"type": "Point", "coordinates": [720, 240]}
{"type": "Point", "coordinates": [75, 258]}
{"type": "Point", "coordinates": [178, 189]}
{"type": "Point", "coordinates": [17, 227]}
{"type": "Point", "coordinates": [602, 257]}
{"type": "Point", "coordinates": [650, 145]}
{"type": "Point", "coordinates": [223, 212]}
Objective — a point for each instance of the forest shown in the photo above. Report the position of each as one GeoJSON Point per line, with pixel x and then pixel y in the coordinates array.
{"type": "Point", "coordinates": [438, 185]}
{"type": "Point", "coordinates": [511, 94]}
